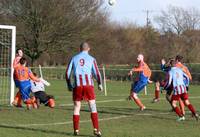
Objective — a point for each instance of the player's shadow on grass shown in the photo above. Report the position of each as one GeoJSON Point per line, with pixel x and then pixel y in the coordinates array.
{"type": "Point", "coordinates": [41, 130]}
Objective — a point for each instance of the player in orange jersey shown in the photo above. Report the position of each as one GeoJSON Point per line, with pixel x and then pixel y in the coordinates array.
{"type": "Point", "coordinates": [23, 75]}
{"type": "Point", "coordinates": [141, 81]}
{"type": "Point", "coordinates": [17, 100]}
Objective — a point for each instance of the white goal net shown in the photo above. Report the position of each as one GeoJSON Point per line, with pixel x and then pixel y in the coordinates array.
{"type": "Point", "coordinates": [7, 54]}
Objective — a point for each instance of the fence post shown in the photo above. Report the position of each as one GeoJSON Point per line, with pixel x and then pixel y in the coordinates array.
{"type": "Point", "coordinates": [104, 81]}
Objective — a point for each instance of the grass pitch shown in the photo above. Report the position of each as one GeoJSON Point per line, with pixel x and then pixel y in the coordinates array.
{"type": "Point", "coordinates": [118, 117]}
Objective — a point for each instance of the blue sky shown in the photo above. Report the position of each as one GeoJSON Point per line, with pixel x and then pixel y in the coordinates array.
{"type": "Point", "coordinates": [134, 10]}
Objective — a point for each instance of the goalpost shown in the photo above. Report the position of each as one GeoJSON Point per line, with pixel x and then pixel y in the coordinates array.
{"type": "Point", "coordinates": [7, 55]}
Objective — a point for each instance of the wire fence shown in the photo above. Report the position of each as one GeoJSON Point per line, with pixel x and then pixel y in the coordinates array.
{"type": "Point", "coordinates": [115, 74]}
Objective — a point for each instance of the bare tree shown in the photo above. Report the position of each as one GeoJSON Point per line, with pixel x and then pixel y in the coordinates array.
{"type": "Point", "coordinates": [178, 20]}
{"type": "Point", "coordinates": [51, 25]}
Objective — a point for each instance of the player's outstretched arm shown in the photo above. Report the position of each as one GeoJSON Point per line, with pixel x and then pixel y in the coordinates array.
{"type": "Point", "coordinates": [44, 82]}
{"type": "Point", "coordinates": [68, 74]}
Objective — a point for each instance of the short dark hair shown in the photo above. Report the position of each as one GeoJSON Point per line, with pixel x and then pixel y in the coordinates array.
{"type": "Point", "coordinates": [172, 62]}
{"type": "Point", "coordinates": [179, 58]}
{"type": "Point", "coordinates": [18, 50]}
{"type": "Point", "coordinates": [84, 46]}
{"type": "Point", "coordinates": [22, 61]}
{"type": "Point", "coordinates": [34, 74]}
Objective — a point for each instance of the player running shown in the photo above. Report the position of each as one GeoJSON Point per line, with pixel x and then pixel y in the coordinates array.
{"type": "Point", "coordinates": [141, 81]}
{"type": "Point", "coordinates": [160, 85]}
{"type": "Point", "coordinates": [17, 100]}
{"type": "Point", "coordinates": [176, 76]}
{"type": "Point", "coordinates": [84, 67]}
{"type": "Point", "coordinates": [38, 89]}
{"type": "Point", "coordinates": [23, 75]}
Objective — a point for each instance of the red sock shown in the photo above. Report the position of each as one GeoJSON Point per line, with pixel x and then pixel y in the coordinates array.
{"type": "Point", "coordinates": [157, 94]}
{"type": "Point", "coordinates": [76, 122]}
{"type": "Point", "coordinates": [178, 112]}
{"type": "Point", "coordinates": [95, 122]}
{"type": "Point", "coordinates": [191, 108]}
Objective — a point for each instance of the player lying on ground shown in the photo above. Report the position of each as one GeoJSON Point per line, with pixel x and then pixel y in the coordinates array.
{"type": "Point", "coordinates": [141, 81]}
{"type": "Point", "coordinates": [38, 90]}
{"type": "Point", "coordinates": [84, 67]}
{"type": "Point", "coordinates": [23, 75]}
{"type": "Point", "coordinates": [176, 77]}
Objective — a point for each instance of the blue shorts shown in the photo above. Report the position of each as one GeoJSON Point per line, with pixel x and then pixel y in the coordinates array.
{"type": "Point", "coordinates": [137, 86]}
{"type": "Point", "coordinates": [16, 83]}
{"type": "Point", "coordinates": [25, 90]}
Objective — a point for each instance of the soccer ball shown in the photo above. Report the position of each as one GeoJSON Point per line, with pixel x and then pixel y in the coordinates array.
{"type": "Point", "coordinates": [111, 2]}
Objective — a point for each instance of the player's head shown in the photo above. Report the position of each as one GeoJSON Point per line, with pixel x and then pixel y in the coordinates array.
{"type": "Point", "coordinates": [84, 46]}
{"type": "Point", "coordinates": [19, 52]}
{"type": "Point", "coordinates": [34, 74]}
{"type": "Point", "coordinates": [173, 63]}
{"type": "Point", "coordinates": [179, 58]}
{"type": "Point", "coordinates": [140, 58]}
{"type": "Point", "coordinates": [23, 61]}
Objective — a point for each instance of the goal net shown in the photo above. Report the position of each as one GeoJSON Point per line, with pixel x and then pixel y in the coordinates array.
{"type": "Point", "coordinates": [7, 54]}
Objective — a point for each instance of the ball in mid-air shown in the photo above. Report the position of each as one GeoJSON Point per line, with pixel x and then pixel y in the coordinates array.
{"type": "Point", "coordinates": [111, 2]}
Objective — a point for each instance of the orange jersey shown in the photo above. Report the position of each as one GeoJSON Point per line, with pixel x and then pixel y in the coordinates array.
{"type": "Point", "coordinates": [16, 61]}
{"type": "Point", "coordinates": [23, 73]}
{"type": "Point", "coordinates": [184, 69]}
{"type": "Point", "coordinates": [143, 67]}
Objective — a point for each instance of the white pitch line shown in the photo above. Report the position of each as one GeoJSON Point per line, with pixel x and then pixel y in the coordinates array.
{"type": "Point", "coordinates": [65, 123]}
{"type": "Point", "coordinates": [84, 121]}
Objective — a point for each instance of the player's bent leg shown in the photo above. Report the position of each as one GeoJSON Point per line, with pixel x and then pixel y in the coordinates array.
{"type": "Point", "coordinates": [28, 103]}
{"type": "Point", "coordinates": [51, 103]}
{"type": "Point", "coordinates": [94, 117]}
{"type": "Point", "coordinates": [76, 116]}
{"type": "Point", "coordinates": [34, 102]}
{"type": "Point", "coordinates": [177, 110]}
{"type": "Point", "coordinates": [168, 98]}
{"type": "Point", "coordinates": [182, 106]}
{"type": "Point", "coordinates": [17, 100]}
{"type": "Point", "coordinates": [157, 92]}
{"type": "Point", "coordinates": [192, 109]}
{"type": "Point", "coordinates": [137, 101]}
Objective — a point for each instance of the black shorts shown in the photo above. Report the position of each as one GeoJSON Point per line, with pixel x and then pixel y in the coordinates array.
{"type": "Point", "coordinates": [43, 97]}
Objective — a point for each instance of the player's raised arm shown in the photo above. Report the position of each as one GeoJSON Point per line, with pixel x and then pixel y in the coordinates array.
{"type": "Point", "coordinates": [32, 77]}
{"type": "Point", "coordinates": [68, 74]}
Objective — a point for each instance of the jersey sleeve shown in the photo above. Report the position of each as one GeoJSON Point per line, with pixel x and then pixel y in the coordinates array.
{"type": "Point", "coordinates": [169, 80]}
{"type": "Point", "coordinates": [164, 68]}
{"type": "Point", "coordinates": [16, 62]}
{"type": "Point", "coordinates": [68, 73]}
{"type": "Point", "coordinates": [34, 78]}
{"type": "Point", "coordinates": [96, 73]}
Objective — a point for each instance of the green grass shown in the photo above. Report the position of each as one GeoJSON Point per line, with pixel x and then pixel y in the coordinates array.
{"type": "Point", "coordinates": [118, 117]}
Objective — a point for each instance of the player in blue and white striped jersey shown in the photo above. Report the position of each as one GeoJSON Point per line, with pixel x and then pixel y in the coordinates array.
{"type": "Point", "coordinates": [176, 77]}
{"type": "Point", "coordinates": [83, 67]}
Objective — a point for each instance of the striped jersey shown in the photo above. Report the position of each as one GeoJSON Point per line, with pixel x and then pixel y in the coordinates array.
{"type": "Point", "coordinates": [176, 77]}
{"type": "Point", "coordinates": [83, 67]}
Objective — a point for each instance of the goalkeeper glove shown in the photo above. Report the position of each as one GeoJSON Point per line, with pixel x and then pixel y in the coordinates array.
{"type": "Point", "coordinates": [100, 87]}
{"type": "Point", "coordinates": [45, 82]}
